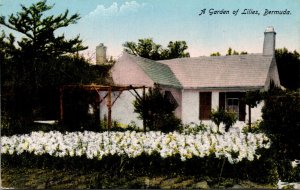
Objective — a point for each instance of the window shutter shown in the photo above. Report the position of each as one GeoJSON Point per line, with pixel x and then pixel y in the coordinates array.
{"type": "Point", "coordinates": [205, 105]}
{"type": "Point", "coordinates": [222, 100]}
{"type": "Point", "coordinates": [242, 107]}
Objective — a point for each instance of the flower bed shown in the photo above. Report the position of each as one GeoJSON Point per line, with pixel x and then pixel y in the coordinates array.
{"type": "Point", "coordinates": [234, 146]}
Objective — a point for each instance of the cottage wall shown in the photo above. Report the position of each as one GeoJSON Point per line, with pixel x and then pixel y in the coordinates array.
{"type": "Point", "coordinates": [123, 109]}
{"type": "Point", "coordinates": [126, 72]}
{"type": "Point", "coordinates": [190, 108]}
{"type": "Point", "coordinates": [256, 113]}
{"type": "Point", "coordinates": [272, 75]}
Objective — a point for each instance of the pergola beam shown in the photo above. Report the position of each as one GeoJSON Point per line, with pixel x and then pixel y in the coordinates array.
{"type": "Point", "coordinates": [98, 89]}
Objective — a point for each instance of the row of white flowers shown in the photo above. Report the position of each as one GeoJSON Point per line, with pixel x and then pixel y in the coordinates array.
{"type": "Point", "coordinates": [235, 146]}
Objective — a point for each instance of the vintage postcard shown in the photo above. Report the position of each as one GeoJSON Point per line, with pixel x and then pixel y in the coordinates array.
{"type": "Point", "coordinates": [172, 94]}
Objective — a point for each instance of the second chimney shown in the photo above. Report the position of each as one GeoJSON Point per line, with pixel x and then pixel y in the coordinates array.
{"type": "Point", "coordinates": [269, 41]}
{"type": "Point", "coordinates": [101, 54]}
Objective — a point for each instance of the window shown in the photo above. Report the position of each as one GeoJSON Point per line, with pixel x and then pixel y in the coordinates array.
{"type": "Point", "coordinates": [233, 105]}
{"type": "Point", "coordinates": [232, 101]}
{"type": "Point", "coordinates": [205, 105]}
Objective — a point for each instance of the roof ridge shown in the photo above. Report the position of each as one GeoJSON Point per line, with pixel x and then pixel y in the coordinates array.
{"type": "Point", "coordinates": [215, 57]}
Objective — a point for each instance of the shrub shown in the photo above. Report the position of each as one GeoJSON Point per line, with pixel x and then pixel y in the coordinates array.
{"type": "Point", "coordinates": [254, 128]}
{"type": "Point", "coordinates": [193, 128]}
{"type": "Point", "coordinates": [221, 116]}
{"type": "Point", "coordinates": [281, 121]}
{"type": "Point", "coordinates": [157, 110]}
{"type": "Point", "coordinates": [252, 99]}
{"type": "Point", "coordinates": [282, 124]}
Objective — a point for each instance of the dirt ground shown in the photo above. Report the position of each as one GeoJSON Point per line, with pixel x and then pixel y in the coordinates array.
{"type": "Point", "coordinates": [48, 178]}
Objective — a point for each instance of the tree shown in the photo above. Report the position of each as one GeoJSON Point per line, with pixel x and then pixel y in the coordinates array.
{"type": "Point", "coordinates": [157, 110]}
{"type": "Point", "coordinates": [145, 48]}
{"type": "Point", "coordinates": [215, 54]}
{"type": "Point", "coordinates": [288, 68]}
{"type": "Point", "coordinates": [281, 122]}
{"type": "Point", "coordinates": [36, 65]}
{"type": "Point", "coordinates": [252, 99]}
{"type": "Point", "coordinates": [229, 52]}
{"type": "Point", "coordinates": [177, 50]}
{"type": "Point", "coordinates": [148, 49]}
{"type": "Point", "coordinates": [38, 31]}
{"type": "Point", "coordinates": [220, 115]}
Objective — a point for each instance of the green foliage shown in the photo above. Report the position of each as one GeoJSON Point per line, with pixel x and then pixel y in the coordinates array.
{"type": "Point", "coordinates": [230, 52]}
{"type": "Point", "coordinates": [193, 128]}
{"type": "Point", "coordinates": [254, 128]}
{"type": "Point", "coordinates": [253, 98]}
{"type": "Point", "coordinates": [116, 126]}
{"type": "Point", "coordinates": [222, 116]}
{"type": "Point", "coordinates": [288, 64]}
{"type": "Point", "coordinates": [215, 54]}
{"type": "Point", "coordinates": [157, 111]}
{"type": "Point", "coordinates": [177, 50]}
{"type": "Point", "coordinates": [263, 170]}
{"type": "Point", "coordinates": [34, 67]}
{"type": "Point", "coordinates": [38, 31]}
{"type": "Point", "coordinates": [148, 49]}
{"type": "Point", "coordinates": [281, 121]}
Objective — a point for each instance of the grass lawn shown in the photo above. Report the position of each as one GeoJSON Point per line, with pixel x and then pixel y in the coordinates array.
{"type": "Point", "coordinates": [38, 178]}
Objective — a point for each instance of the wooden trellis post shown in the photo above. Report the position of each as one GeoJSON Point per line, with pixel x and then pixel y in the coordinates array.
{"type": "Point", "coordinates": [61, 107]}
{"type": "Point", "coordinates": [144, 110]}
{"type": "Point", "coordinates": [109, 108]}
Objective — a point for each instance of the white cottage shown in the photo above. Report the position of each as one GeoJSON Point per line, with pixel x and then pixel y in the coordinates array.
{"type": "Point", "coordinates": [198, 84]}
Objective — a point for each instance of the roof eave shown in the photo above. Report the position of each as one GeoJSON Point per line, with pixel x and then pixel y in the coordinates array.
{"type": "Point", "coordinates": [226, 88]}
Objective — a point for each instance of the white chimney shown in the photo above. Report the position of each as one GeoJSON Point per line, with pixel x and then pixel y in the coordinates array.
{"type": "Point", "coordinates": [101, 54]}
{"type": "Point", "coordinates": [269, 41]}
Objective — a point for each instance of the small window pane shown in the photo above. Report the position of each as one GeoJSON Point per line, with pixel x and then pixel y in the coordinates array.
{"type": "Point", "coordinates": [233, 105]}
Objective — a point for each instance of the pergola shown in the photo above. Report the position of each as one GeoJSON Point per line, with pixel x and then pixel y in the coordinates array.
{"type": "Point", "coordinates": [102, 88]}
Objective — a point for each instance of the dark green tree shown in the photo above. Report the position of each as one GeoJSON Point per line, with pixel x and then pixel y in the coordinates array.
{"type": "Point", "coordinates": [229, 52]}
{"type": "Point", "coordinates": [147, 48]}
{"type": "Point", "coordinates": [220, 115]}
{"type": "Point", "coordinates": [34, 66]}
{"type": "Point", "coordinates": [38, 30]}
{"type": "Point", "coordinates": [288, 64]}
{"type": "Point", "coordinates": [215, 54]}
{"type": "Point", "coordinates": [177, 50]}
{"type": "Point", "coordinates": [157, 110]}
{"type": "Point", "coordinates": [281, 122]}
{"type": "Point", "coordinates": [252, 99]}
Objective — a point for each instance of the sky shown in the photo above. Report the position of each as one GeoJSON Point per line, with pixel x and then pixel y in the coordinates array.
{"type": "Point", "coordinates": [114, 22]}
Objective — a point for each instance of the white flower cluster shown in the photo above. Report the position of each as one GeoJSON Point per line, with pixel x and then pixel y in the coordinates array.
{"type": "Point", "coordinates": [234, 146]}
